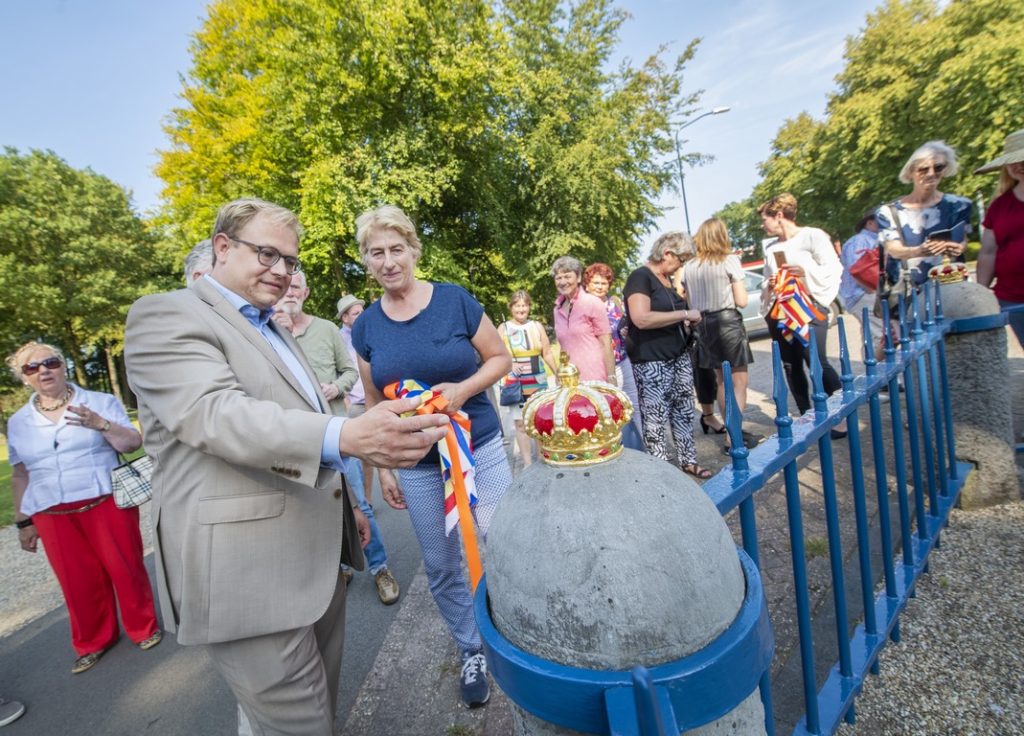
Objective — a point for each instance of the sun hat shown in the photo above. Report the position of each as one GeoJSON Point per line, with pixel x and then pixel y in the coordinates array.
{"type": "Point", "coordinates": [1013, 153]}
{"type": "Point", "coordinates": [347, 302]}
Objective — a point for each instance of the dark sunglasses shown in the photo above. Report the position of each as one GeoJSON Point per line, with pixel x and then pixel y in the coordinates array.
{"type": "Point", "coordinates": [937, 168]}
{"type": "Point", "coordinates": [30, 369]}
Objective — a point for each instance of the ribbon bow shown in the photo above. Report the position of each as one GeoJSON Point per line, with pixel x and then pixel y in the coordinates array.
{"type": "Point", "coordinates": [458, 468]}
{"type": "Point", "coordinates": [794, 309]}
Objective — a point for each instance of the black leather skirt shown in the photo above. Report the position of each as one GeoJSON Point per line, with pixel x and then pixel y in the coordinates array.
{"type": "Point", "coordinates": [723, 337]}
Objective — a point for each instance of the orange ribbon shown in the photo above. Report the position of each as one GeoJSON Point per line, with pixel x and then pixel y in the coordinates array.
{"type": "Point", "coordinates": [435, 403]}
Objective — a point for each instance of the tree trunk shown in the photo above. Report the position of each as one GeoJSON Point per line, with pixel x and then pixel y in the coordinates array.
{"type": "Point", "coordinates": [113, 374]}
{"type": "Point", "coordinates": [76, 356]}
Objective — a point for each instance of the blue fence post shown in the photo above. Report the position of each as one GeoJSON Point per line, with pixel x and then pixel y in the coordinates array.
{"type": "Point", "coordinates": [925, 407]}
{"type": "Point", "coordinates": [898, 451]}
{"type": "Point", "coordinates": [748, 518]}
{"type": "Point", "coordinates": [835, 547]}
{"type": "Point", "coordinates": [913, 436]}
{"type": "Point", "coordinates": [798, 554]}
{"type": "Point", "coordinates": [867, 584]}
{"type": "Point", "coordinates": [931, 288]}
{"type": "Point", "coordinates": [947, 404]}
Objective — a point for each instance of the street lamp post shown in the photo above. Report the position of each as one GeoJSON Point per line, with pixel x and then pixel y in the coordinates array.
{"type": "Point", "coordinates": [679, 157]}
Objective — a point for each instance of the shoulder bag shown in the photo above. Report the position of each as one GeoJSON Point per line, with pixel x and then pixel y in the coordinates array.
{"type": "Point", "coordinates": [132, 482]}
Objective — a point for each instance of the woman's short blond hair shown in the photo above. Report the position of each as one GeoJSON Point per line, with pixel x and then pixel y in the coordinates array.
{"type": "Point", "coordinates": [386, 217]}
{"type": "Point", "coordinates": [712, 241]}
{"type": "Point", "coordinates": [14, 360]}
{"type": "Point", "coordinates": [784, 203]}
{"type": "Point", "coordinates": [677, 243]}
{"type": "Point", "coordinates": [931, 149]}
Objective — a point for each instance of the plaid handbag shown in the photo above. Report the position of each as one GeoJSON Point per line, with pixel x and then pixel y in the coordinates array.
{"type": "Point", "coordinates": [132, 482]}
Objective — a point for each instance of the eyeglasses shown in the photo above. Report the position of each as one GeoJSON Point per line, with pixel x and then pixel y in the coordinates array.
{"type": "Point", "coordinates": [30, 369]}
{"type": "Point", "coordinates": [937, 168]}
{"type": "Point", "coordinates": [270, 256]}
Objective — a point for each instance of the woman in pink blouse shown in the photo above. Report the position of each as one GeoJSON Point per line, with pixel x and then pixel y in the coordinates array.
{"type": "Point", "coordinates": [581, 324]}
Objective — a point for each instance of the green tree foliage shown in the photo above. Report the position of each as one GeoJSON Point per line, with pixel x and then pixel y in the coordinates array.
{"type": "Point", "coordinates": [744, 226]}
{"type": "Point", "coordinates": [495, 126]}
{"type": "Point", "coordinates": [73, 257]}
{"type": "Point", "coordinates": [914, 73]}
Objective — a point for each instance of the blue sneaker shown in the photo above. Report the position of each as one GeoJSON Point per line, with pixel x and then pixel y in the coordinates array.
{"type": "Point", "coordinates": [473, 680]}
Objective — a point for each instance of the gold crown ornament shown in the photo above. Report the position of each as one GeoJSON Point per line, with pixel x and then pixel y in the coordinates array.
{"type": "Point", "coordinates": [577, 423]}
{"type": "Point", "coordinates": [948, 272]}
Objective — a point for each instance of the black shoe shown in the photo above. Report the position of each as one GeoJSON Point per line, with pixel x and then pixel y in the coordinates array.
{"type": "Point", "coordinates": [837, 434]}
{"type": "Point", "coordinates": [473, 680]}
{"type": "Point", "coordinates": [707, 427]}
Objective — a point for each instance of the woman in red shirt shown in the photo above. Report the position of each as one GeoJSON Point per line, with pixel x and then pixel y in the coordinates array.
{"type": "Point", "coordinates": [1002, 241]}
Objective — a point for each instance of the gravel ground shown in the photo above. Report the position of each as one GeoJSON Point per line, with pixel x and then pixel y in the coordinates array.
{"type": "Point", "coordinates": [959, 668]}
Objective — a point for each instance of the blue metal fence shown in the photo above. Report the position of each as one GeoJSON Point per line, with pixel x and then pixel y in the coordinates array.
{"type": "Point", "coordinates": [917, 358]}
{"type": "Point", "coordinates": [915, 435]}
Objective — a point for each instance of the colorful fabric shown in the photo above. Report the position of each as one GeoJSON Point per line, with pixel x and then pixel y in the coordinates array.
{"type": "Point", "coordinates": [615, 312]}
{"type": "Point", "coordinates": [794, 309]}
{"type": "Point", "coordinates": [525, 348]}
{"type": "Point", "coordinates": [455, 449]}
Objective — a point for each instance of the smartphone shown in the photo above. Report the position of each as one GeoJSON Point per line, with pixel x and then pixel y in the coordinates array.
{"type": "Point", "coordinates": [944, 234]}
{"type": "Point", "coordinates": [780, 258]}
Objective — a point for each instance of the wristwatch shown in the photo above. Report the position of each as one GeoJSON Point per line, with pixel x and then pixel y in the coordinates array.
{"type": "Point", "coordinates": [106, 426]}
{"type": "Point", "coordinates": [24, 523]}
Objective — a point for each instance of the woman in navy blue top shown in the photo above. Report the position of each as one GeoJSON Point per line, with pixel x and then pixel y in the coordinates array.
{"type": "Point", "coordinates": [438, 335]}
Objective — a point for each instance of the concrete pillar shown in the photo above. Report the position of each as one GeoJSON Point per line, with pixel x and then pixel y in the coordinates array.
{"type": "Point", "coordinates": [612, 565]}
{"type": "Point", "coordinates": [979, 379]}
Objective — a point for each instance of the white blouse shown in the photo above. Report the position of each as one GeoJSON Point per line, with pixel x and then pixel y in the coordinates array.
{"type": "Point", "coordinates": [811, 249]}
{"type": "Point", "coordinates": [65, 463]}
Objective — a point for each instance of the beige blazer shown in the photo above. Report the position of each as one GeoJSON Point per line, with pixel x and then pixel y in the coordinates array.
{"type": "Point", "coordinates": [248, 532]}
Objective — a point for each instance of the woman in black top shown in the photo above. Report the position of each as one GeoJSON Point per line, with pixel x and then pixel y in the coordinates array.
{"type": "Point", "coordinates": [657, 345]}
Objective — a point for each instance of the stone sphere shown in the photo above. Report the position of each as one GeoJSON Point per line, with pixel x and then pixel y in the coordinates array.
{"type": "Point", "coordinates": [613, 565]}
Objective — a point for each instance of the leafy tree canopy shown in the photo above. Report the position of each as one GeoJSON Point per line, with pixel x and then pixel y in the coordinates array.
{"type": "Point", "coordinates": [495, 125]}
{"type": "Point", "coordinates": [914, 73]}
{"type": "Point", "coordinates": [73, 256]}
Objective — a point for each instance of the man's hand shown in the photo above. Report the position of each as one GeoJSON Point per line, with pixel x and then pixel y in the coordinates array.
{"type": "Point", "coordinates": [283, 319]}
{"type": "Point", "coordinates": [390, 489]}
{"type": "Point", "coordinates": [331, 391]}
{"type": "Point", "coordinates": [384, 438]}
{"type": "Point", "coordinates": [362, 525]}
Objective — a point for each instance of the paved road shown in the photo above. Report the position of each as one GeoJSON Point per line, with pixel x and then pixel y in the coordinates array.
{"type": "Point", "coordinates": [172, 690]}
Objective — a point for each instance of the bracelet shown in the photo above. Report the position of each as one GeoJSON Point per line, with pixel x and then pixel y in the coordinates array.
{"type": "Point", "coordinates": [24, 523]}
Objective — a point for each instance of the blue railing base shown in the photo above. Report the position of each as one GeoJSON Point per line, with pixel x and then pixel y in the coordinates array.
{"type": "Point", "coordinates": [836, 696]}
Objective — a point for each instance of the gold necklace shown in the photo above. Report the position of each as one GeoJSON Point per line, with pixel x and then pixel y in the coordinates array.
{"type": "Point", "coordinates": [67, 397]}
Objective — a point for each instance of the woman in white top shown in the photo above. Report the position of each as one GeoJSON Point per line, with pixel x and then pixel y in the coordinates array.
{"type": "Point", "coordinates": [714, 284]}
{"type": "Point", "coordinates": [808, 254]}
{"type": "Point", "coordinates": [63, 444]}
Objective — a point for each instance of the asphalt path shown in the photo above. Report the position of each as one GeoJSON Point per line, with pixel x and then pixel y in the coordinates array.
{"type": "Point", "coordinates": [173, 690]}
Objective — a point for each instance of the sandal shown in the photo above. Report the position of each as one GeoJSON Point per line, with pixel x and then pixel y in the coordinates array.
{"type": "Point", "coordinates": [86, 662]}
{"type": "Point", "coordinates": [697, 471]}
{"type": "Point", "coordinates": [152, 640]}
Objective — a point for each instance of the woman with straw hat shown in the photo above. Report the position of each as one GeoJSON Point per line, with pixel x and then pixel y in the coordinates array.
{"type": "Point", "coordinates": [1002, 241]}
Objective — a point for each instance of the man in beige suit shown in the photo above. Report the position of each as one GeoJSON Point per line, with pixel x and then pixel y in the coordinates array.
{"type": "Point", "coordinates": [248, 533]}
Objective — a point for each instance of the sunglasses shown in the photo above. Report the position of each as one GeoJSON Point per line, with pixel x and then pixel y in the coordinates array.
{"type": "Point", "coordinates": [30, 369]}
{"type": "Point", "coordinates": [937, 168]}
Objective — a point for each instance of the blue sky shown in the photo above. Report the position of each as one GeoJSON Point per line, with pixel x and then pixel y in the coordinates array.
{"type": "Point", "coordinates": [93, 81]}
